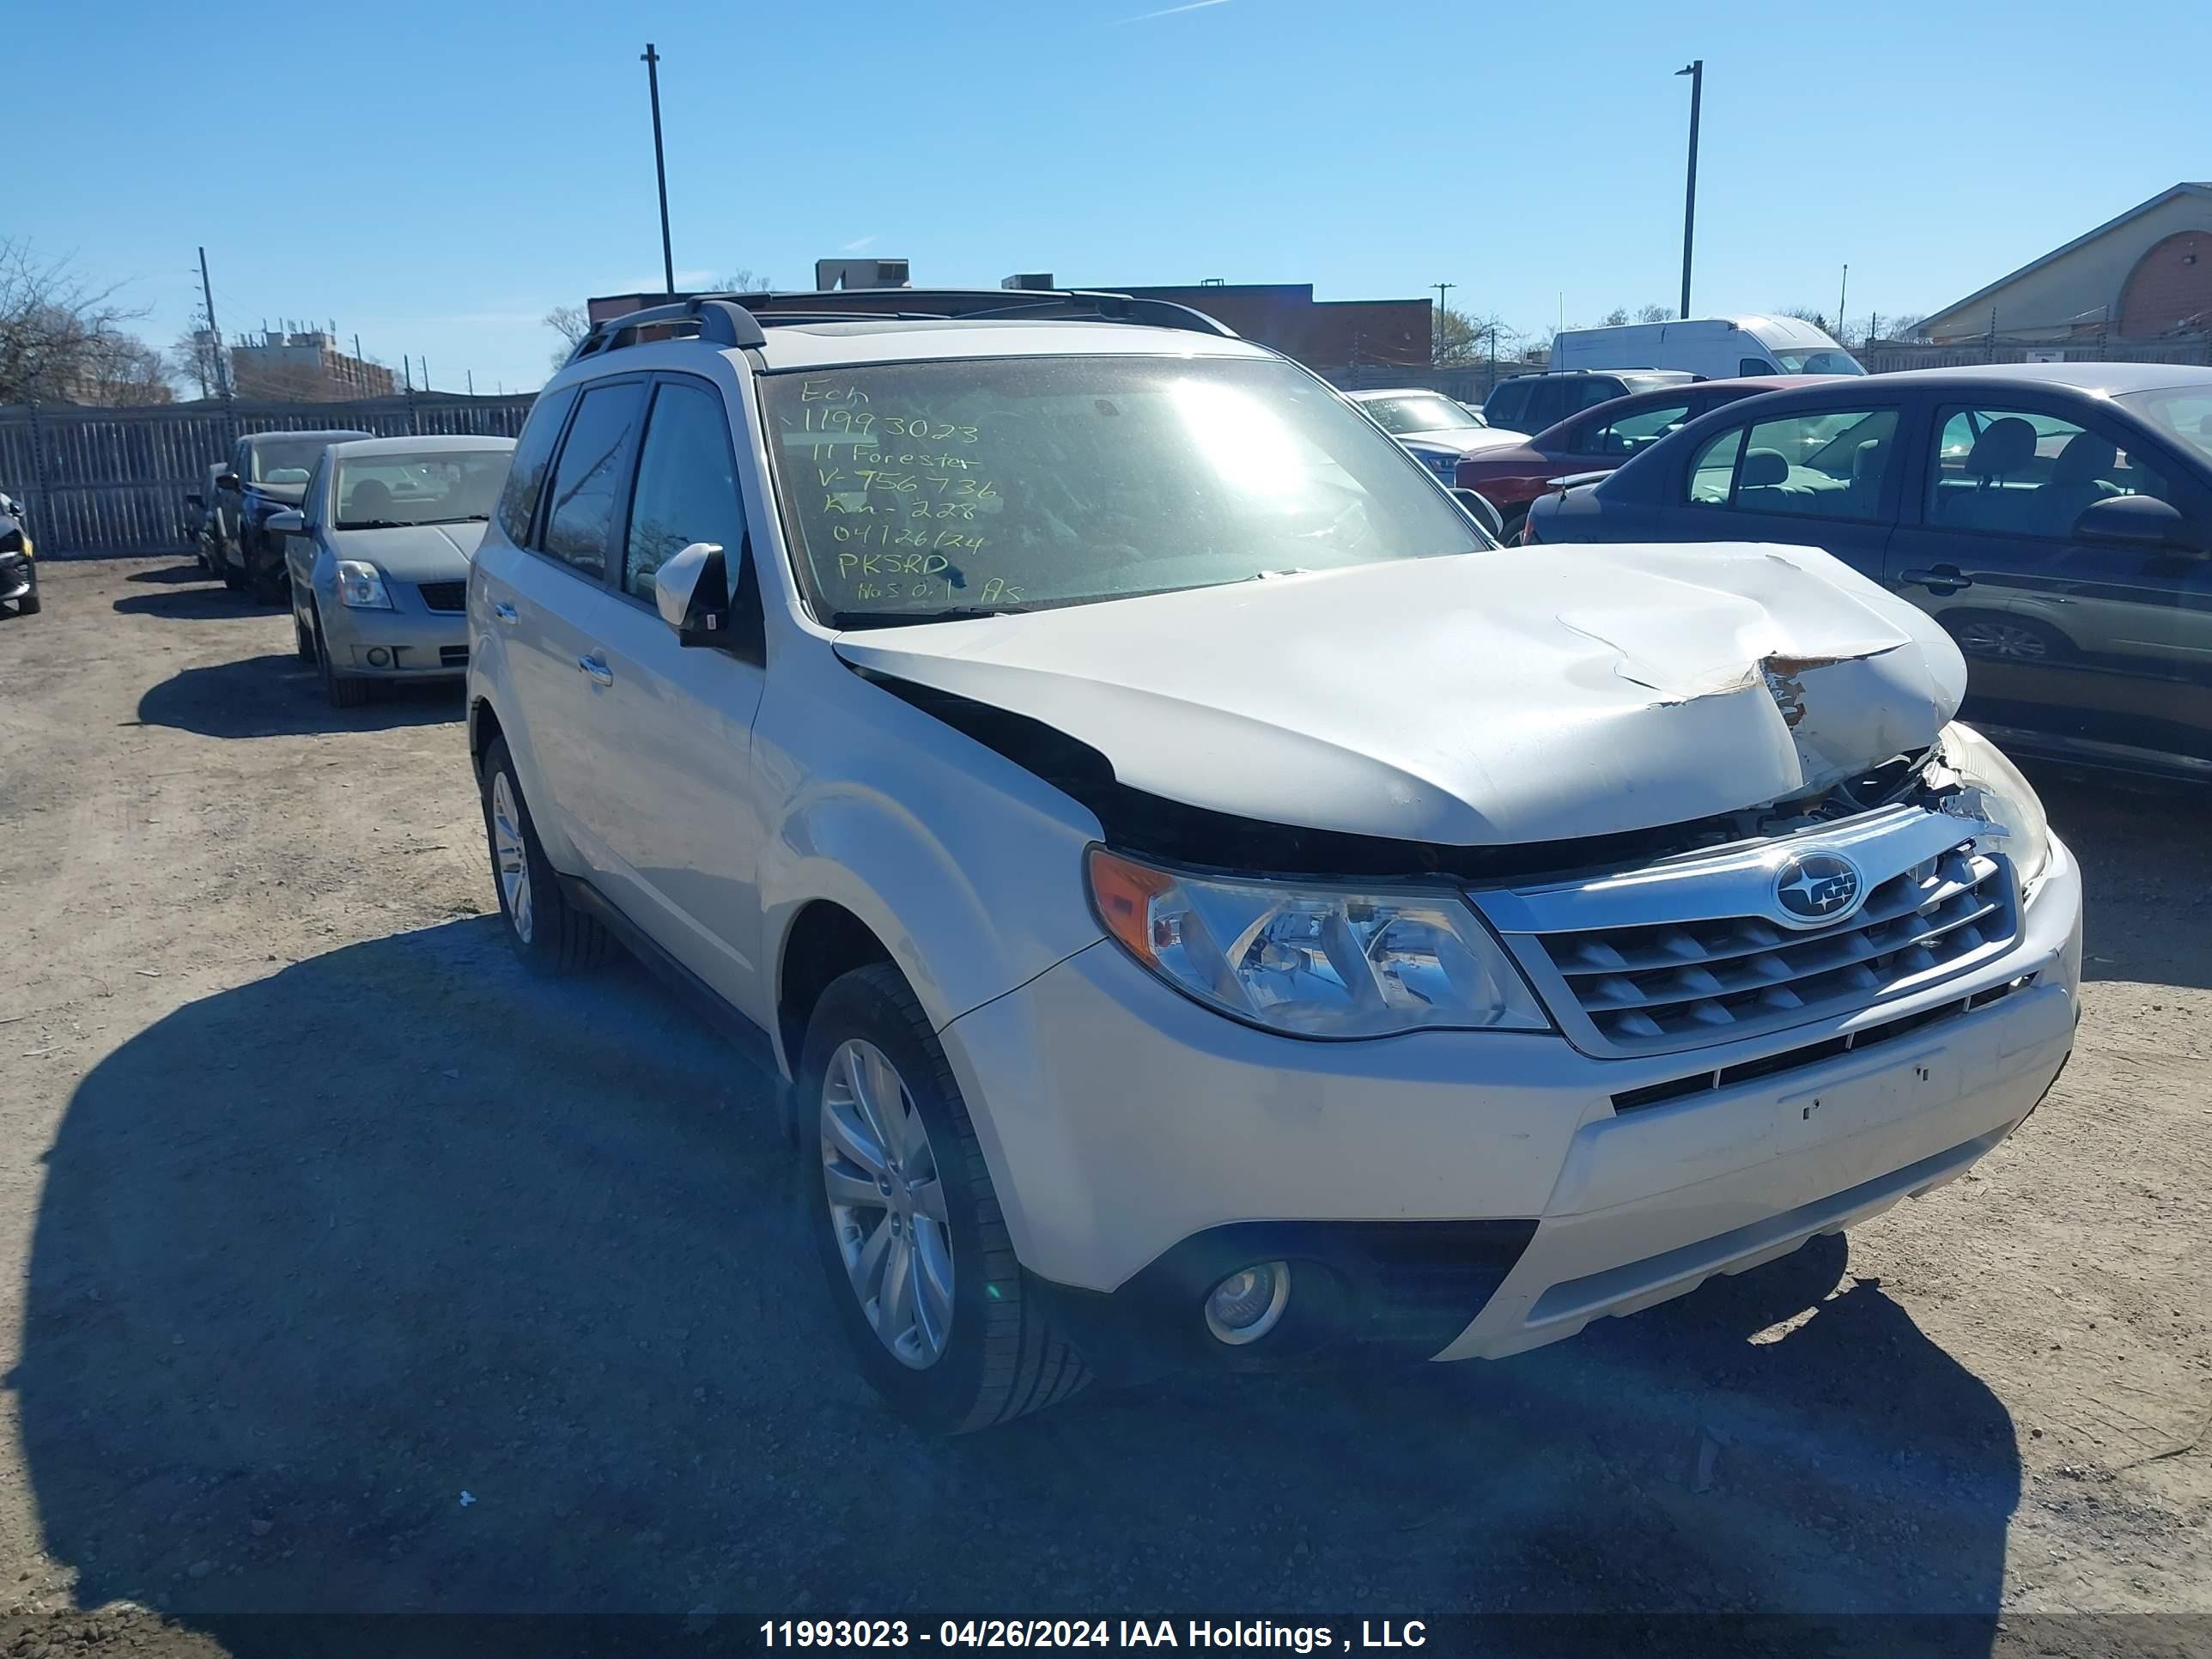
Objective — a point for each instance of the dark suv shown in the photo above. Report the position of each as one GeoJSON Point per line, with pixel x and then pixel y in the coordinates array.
{"type": "Point", "coordinates": [267, 475]}
{"type": "Point", "coordinates": [1529, 402]}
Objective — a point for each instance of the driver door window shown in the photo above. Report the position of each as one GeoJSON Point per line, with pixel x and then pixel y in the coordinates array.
{"type": "Point", "coordinates": [687, 487]}
{"type": "Point", "coordinates": [1626, 434]}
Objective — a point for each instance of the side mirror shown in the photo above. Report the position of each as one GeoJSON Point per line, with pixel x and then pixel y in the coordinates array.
{"type": "Point", "coordinates": [286, 522]}
{"type": "Point", "coordinates": [1479, 509]}
{"type": "Point", "coordinates": [2137, 521]}
{"type": "Point", "coordinates": [692, 593]}
{"type": "Point", "coordinates": [226, 481]}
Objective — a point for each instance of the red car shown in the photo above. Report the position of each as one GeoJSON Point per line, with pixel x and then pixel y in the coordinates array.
{"type": "Point", "coordinates": [1599, 439]}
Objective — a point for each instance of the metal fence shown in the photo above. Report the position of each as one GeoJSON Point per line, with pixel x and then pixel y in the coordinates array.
{"type": "Point", "coordinates": [104, 482]}
{"type": "Point", "coordinates": [1887, 356]}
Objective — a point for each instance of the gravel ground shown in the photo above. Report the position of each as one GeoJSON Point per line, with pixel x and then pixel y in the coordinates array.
{"type": "Point", "coordinates": [347, 1270]}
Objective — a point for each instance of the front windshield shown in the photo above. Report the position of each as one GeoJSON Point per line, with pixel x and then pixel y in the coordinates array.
{"type": "Point", "coordinates": [2182, 413]}
{"type": "Point", "coordinates": [991, 484]}
{"type": "Point", "coordinates": [1404, 414]}
{"type": "Point", "coordinates": [1825, 359]}
{"type": "Point", "coordinates": [286, 460]}
{"type": "Point", "coordinates": [443, 486]}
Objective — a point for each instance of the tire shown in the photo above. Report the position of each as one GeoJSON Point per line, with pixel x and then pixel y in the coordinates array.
{"type": "Point", "coordinates": [231, 582]}
{"type": "Point", "coordinates": [1515, 518]}
{"type": "Point", "coordinates": [997, 1357]}
{"type": "Point", "coordinates": [29, 604]}
{"type": "Point", "coordinates": [553, 938]}
{"type": "Point", "coordinates": [343, 691]}
{"type": "Point", "coordinates": [303, 639]}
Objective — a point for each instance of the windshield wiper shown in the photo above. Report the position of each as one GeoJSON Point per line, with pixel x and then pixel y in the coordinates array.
{"type": "Point", "coordinates": [368, 524]}
{"type": "Point", "coordinates": [903, 618]}
{"type": "Point", "coordinates": [465, 518]}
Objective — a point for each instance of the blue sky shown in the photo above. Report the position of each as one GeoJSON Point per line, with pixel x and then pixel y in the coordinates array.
{"type": "Point", "coordinates": [435, 176]}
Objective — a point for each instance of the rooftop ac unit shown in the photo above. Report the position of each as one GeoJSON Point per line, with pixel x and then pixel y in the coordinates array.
{"type": "Point", "coordinates": [831, 274]}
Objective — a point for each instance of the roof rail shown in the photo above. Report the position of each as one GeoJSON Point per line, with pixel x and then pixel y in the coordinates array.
{"type": "Point", "coordinates": [729, 320]}
{"type": "Point", "coordinates": [719, 322]}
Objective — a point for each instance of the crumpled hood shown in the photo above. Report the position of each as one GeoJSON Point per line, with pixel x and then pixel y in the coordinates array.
{"type": "Point", "coordinates": [1528, 693]}
{"type": "Point", "coordinates": [415, 552]}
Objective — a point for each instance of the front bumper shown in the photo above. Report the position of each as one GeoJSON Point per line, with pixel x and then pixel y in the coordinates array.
{"type": "Point", "coordinates": [1123, 1122]}
{"type": "Point", "coordinates": [19, 575]}
{"type": "Point", "coordinates": [414, 643]}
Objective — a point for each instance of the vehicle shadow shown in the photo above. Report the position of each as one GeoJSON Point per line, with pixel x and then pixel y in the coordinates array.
{"type": "Point", "coordinates": [210, 599]}
{"type": "Point", "coordinates": [173, 574]}
{"type": "Point", "coordinates": [2146, 872]}
{"type": "Point", "coordinates": [278, 695]}
{"type": "Point", "coordinates": [398, 1280]}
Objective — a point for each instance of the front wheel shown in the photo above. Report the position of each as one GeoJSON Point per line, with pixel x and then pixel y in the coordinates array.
{"type": "Point", "coordinates": [28, 604]}
{"type": "Point", "coordinates": [912, 1239]}
{"type": "Point", "coordinates": [343, 690]}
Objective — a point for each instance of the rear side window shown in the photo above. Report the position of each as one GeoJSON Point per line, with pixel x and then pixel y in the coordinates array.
{"type": "Point", "coordinates": [1601, 389]}
{"type": "Point", "coordinates": [687, 487]}
{"type": "Point", "coordinates": [581, 507]}
{"type": "Point", "coordinates": [1753, 366]}
{"type": "Point", "coordinates": [533, 452]}
{"type": "Point", "coordinates": [1829, 464]}
{"type": "Point", "coordinates": [1624, 434]}
{"type": "Point", "coordinates": [1506, 405]}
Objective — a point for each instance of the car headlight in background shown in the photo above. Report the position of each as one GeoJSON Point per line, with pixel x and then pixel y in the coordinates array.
{"type": "Point", "coordinates": [1309, 960]}
{"type": "Point", "coordinates": [1991, 789]}
{"type": "Point", "coordinates": [360, 585]}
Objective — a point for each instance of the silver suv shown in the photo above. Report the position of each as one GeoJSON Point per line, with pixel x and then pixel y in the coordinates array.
{"type": "Point", "coordinates": [1211, 903]}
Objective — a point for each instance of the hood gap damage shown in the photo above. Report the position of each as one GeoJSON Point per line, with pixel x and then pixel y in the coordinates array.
{"type": "Point", "coordinates": [1140, 822]}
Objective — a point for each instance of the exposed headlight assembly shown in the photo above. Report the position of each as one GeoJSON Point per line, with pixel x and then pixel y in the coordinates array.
{"type": "Point", "coordinates": [1313, 961]}
{"type": "Point", "coordinates": [360, 585]}
{"type": "Point", "coordinates": [1991, 789]}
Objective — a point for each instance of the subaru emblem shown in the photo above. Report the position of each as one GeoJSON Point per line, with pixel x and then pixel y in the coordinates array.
{"type": "Point", "coordinates": [1814, 889]}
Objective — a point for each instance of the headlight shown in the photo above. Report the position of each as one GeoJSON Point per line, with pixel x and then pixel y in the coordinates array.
{"type": "Point", "coordinates": [1991, 787]}
{"type": "Point", "coordinates": [1313, 961]}
{"type": "Point", "coordinates": [361, 586]}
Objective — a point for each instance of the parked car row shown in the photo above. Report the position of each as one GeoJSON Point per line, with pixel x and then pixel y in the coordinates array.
{"type": "Point", "coordinates": [368, 539]}
{"type": "Point", "coordinates": [1213, 905]}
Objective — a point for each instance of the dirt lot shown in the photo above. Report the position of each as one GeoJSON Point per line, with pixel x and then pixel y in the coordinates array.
{"type": "Point", "coordinates": [342, 1269]}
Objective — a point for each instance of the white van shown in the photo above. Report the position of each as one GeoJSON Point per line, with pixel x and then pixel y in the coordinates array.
{"type": "Point", "coordinates": [1718, 348]}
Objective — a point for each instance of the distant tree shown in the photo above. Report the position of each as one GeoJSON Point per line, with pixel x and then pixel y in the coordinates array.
{"type": "Point", "coordinates": [121, 370]}
{"type": "Point", "coordinates": [572, 324]}
{"type": "Point", "coordinates": [744, 280]}
{"type": "Point", "coordinates": [195, 363]}
{"type": "Point", "coordinates": [1655, 314]}
{"type": "Point", "coordinates": [1464, 338]}
{"type": "Point", "coordinates": [1805, 314]}
{"type": "Point", "coordinates": [1614, 318]}
{"type": "Point", "coordinates": [62, 339]}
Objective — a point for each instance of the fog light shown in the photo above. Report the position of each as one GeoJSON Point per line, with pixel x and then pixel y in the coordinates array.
{"type": "Point", "coordinates": [377, 656]}
{"type": "Point", "coordinates": [1245, 1306]}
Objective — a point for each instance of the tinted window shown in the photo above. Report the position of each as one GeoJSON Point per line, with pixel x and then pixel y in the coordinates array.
{"type": "Point", "coordinates": [1017, 482]}
{"type": "Point", "coordinates": [526, 472]}
{"type": "Point", "coordinates": [687, 486]}
{"type": "Point", "coordinates": [1506, 406]}
{"type": "Point", "coordinates": [1592, 393]}
{"type": "Point", "coordinates": [2184, 413]}
{"type": "Point", "coordinates": [1624, 434]}
{"type": "Point", "coordinates": [579, 518]}
{"type": "Point", "coordinates": [1753, 366]}
{"type": "Point", "coordinates": [2023, 472]}
{"type": "Point", "coordinates": [1829, 464]}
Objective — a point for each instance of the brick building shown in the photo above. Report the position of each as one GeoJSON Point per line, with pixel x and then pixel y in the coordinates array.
{"type": "Point", "coordinates": [305, 366]}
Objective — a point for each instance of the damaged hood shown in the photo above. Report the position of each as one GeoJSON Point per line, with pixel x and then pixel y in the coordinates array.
{"type": "Point", "coordinates": [1521, 695]}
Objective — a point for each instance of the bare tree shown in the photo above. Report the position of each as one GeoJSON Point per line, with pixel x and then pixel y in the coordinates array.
{"type": "Point", "coordinates": [196, 360]}
{"type": "Point", "coordinates": [121, 369]}
{"type": "Point", "coordinates": [61, 337]}
{"type": "Point", "coordinates": [1655, 314]}
{"type": "Point", "coordinates": [1614, 318]}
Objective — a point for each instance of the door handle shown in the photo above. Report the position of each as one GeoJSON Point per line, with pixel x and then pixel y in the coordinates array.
{"type": "Point", "coordinates": [1943, 579]}
{"type": "Point", "coordinates": [504, 611]}
{"type": "Point", "coordinates": [598, 668]}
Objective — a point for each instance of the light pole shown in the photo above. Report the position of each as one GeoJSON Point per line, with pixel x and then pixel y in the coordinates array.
{"type": "Point", "coordinates": [1696, 71]}
{"type": "Point", "coordinates": [1435, 340]}
{"type": "Point", "coordinates": [651, 59]}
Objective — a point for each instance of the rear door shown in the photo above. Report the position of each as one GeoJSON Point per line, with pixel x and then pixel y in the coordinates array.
{"type": "Point", "coordinates": [553, 597]}
{"type": "Point", "coordinates": [1826, 476]}
{"type": "Point", "coordinates": [672, 808]}
{"type": "Point", "coordinates": [2071, 644]}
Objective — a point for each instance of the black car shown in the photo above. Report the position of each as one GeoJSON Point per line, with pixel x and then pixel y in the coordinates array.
{"type": "Point", "coordinates": [19, 570]}
{"type": "Point", "coordinates": [1530, 402]}
{"type": "Point", "coordinates": [267, 475]}
{"type": "Point", "coordinates": [2056, 517]}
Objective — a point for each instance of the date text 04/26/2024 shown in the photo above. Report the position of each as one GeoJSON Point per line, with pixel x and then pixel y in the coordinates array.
{"type": "Point", "coordinates": [960, 1633]}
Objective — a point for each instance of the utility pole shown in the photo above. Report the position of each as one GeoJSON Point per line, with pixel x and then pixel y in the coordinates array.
{"type": "Point", "coordinates": [651, 59]}
{"type": "Point", "coordinates": [471, 374]}
{"type": "Point", "coordinates": [1841, 294]}
{"type": "Point", "coordinates": [1436, 340]}
{"type": "Point", "coordinates": [425, 362]}
{"type": "Point", "coordinates": [1696, 71]}
{"type": "Point", "coordinates": [215, 334]}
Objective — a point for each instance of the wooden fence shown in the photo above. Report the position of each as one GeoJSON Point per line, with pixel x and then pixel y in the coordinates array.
{"type": "Point", "coordinates": [104, 482]}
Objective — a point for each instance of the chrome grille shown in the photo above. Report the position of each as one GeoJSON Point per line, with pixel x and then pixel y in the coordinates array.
{"type": "Point", "coordinates": [1642, 984]}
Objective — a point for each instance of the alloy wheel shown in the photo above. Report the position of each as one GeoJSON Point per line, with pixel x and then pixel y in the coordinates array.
{"type": "Point", "coordinates": [887, 1203]}
{"type": "Point", "coordinates": [509, 856]}
{"type": "Point", "coordinates": [2010, 640]}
